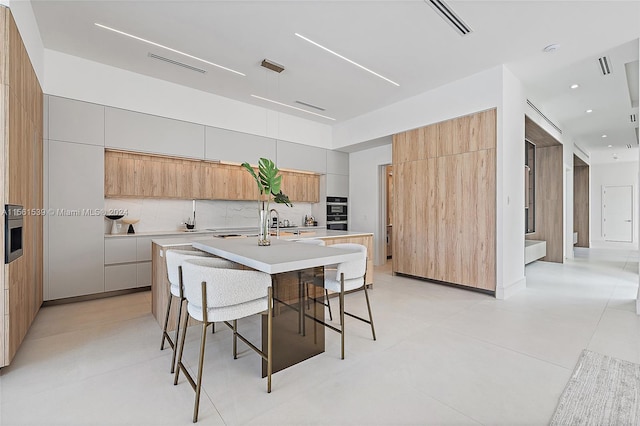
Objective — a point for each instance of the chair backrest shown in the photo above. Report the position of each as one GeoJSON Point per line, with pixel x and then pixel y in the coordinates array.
{"type": "Point", "coordinates": [225, 287]}
{"type": "Point", "coordinates": [352, 269]}
{"type": "Point", "coordinates": [311, 242]}
{"type": "Point", "coordinates": [174, 259]}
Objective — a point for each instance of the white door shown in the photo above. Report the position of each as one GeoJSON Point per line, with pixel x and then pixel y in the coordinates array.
{"type": "Point", "coordinates": [617, 213]}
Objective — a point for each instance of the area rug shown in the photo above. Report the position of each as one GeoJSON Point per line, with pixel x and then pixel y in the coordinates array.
{"type": "Point", "coordinates": [602, 391]}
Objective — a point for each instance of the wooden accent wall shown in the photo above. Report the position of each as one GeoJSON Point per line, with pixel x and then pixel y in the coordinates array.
{"type": "Point", "coordinates": [445, 201]}
{"type": "Point", "coordinates": [549, 201]}
{"type": "Point", "coordinates": [581, 204]}
{"type": "Point", "coordinates": [22, 161]}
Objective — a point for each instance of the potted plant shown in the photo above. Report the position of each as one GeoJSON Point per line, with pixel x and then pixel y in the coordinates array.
{"type": "Point", "coordinates": [268, 181]}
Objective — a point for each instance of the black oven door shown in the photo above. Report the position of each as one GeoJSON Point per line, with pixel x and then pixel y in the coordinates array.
{"type": "Point", "coordinates": [13, 232]}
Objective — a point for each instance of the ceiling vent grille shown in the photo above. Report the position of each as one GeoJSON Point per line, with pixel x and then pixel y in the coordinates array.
{"type": "Point", "coordinates": [452, 18]}
{"type": "Point", "coordinates": [180, 64]}
{"type": "Point", "coordinates": [605, 65]}
{"type": "Point", "coordinates": [547, 119]}
{"type": "Point", "coordinates": [270, 65]}
{"type": "Point", "coordinates": [633, 118]}
{"type": "Point", "coordinates": [310, 105]}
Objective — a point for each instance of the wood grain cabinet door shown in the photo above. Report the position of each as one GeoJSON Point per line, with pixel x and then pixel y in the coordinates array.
{"type": "Point", "coordinates": [119, 175]}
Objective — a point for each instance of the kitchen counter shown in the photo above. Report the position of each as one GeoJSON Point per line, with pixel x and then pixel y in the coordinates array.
{"type": "Point", "coordinates": [191, 238]}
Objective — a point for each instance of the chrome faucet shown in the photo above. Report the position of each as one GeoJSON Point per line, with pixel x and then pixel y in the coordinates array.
{"type": "Point", "coordinates": [277, 221]}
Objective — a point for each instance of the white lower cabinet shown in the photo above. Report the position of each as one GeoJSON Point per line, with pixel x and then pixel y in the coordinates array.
{"type": "Point", "coordinates": [120, 277]}
{"type": "Point", "coordinates": [127, 262]}
{"type": "Point", "coordinates": [143, 274]}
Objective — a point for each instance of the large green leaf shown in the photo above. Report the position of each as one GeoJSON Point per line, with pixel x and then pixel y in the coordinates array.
{"type": "Point", "coordinates": [268, 180]}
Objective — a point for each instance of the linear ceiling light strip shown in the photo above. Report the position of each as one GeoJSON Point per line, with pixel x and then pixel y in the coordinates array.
{"type": "Point", "coordinates": [346, 59]}
{"type": "Point", "coordinates": [169, 49]}
{"type": "Point", "coordinates": [292, 107]}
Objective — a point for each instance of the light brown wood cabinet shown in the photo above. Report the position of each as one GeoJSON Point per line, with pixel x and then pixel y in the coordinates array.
{"type": "Point", "coordinates": [301, 187]}
{"type": "Point", "coordinates": [21, 160]}
{"type": "Point", "coordinates": [129, 174]}
{"type": "Point", "coordinates": [444, 201]}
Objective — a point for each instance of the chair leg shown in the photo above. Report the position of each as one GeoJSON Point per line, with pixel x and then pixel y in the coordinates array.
{"type": "Point", "coordinates": [175, 345]}
{"type": "Point", "coordinates": [326, 292]}
{"type": "Point", "coordinates": [166, 321]}
{"type": "Point", "coordinates": [269, 337]}
{"type": "Point", "coordinates": [366, 295]}
{"type": "Point", "coordinates": [342, 314]}
{"type": "Point", "coordinates": [235, 339]}
{"type": "Point", "coordinates": [203, 340]}
{"type": "Point", "coordinates": [181, 350]}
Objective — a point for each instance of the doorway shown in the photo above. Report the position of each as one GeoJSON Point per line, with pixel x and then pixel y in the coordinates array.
{"type": "Point", "coordinates": [389, 218]}
{"type": "Point", "coordinates": [617, 213]}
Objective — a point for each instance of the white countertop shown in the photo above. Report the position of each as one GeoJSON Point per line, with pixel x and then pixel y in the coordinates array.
{"type": "Point", "coordinates": [280, 256]}
{"type": "Point", "coordinates": [190, 238]}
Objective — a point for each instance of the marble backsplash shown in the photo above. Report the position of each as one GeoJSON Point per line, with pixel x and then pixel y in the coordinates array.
{"type": "Point", "coordinates": [169, 215]}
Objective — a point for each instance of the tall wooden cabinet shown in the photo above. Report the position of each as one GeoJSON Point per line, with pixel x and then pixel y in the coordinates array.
{"type": "Point", "coordinates": [21, 112]}
{"type": "Point", "coordinates": [445, 201]}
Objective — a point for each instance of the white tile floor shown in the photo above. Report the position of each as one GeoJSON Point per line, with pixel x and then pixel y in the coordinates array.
{"type": "Point", "coordinates": [443, 356]}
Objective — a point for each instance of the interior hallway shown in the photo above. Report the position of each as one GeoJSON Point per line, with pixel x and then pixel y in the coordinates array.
{"type": "Point", "coordinates": [443, 356]}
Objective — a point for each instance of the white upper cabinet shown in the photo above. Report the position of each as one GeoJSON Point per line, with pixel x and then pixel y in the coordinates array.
{"type": "Point", "coordinates": [75, 121]}
{"type": "Point", "coordinates": [237, 147]}
{"type": "Point", "coordinates": [337, 162]}
{"type": "Point", "coordinates": [134, 131]}
{"type": "Point", "coordinates": [301, 157]}
{"type": "Point", "coordinates": [337, 185]}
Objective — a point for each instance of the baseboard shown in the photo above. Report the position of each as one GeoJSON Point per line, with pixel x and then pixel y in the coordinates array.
{"type": "Point", "coordinates": [506, 292]}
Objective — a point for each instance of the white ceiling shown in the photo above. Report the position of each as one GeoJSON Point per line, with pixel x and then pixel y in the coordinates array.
{"type": "Point", "coordinates": [405, 41]}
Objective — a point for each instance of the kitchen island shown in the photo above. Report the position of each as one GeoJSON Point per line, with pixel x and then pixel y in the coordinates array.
{"type": "Point", "coordinates": [160, 285]}
{"type": "Point", "coordinates": [296, 270]}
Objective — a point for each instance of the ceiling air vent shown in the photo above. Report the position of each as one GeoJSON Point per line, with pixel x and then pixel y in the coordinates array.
{"type": "Point", "coordinates": [605, 65]}
{"type": "Point", "coordinates": [270, 65]}
{"type": "Point", "coordinates": [547, 119]}
{"type": "Point", "coordinates": [633, 118]}
{"type": "Point", "coordinates": [310, 105]}
{"type": "Point", "coordinates": [452, 18]}
{"type": "Point", "coordinates": [180, 64]}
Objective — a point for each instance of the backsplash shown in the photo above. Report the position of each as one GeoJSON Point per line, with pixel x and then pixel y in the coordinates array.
{"type": "Point", "coordinates": [168, 215]}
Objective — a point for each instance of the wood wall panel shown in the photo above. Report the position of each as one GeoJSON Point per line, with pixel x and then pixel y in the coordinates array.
{"type": "Point", "coordinates": [549, 202]}
{"type": "Point", "coordinates": [404, 213]}
{"type": "Point", "coordinates": [445, 201]}
{"type": "Point", "coordinates": [4, 108]}
{"type": "Point", "coordinates": [581, 205]}
{"type": "Point", "coordinates": [21, 129]}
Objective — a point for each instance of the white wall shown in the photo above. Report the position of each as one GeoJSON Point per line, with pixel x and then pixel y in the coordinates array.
{"type": "Point", "coordinates": [364, 197]}
{"type": "Point", "coordinates": [77, 78]}
{"type": "Point", "coordinates": [477, 92]}
{"type": "Point", "coordinates": [625, 173]}
{"type": "Point", "coordinates": [27, 25]}
{"type": "Point", "coordinates": [510, 187]}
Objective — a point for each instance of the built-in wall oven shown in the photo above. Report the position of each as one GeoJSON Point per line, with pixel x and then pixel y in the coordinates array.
{"type": "Point", "coordinates": [337, 213]}
{"type": "Point", "coordinates": [13, 235]}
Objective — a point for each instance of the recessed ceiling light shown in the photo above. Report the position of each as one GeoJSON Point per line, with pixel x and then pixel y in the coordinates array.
{"type": "Point", "coordinates": [589, 111]}
{"type": "Point", "coordinates": [575, 86]}
{"type": "Point", "coordinates": [168, 48]}
{"type": "Point", "coordinates": [292, 107]}
{"type": "Point", "coordinates": [346, 59]}
{"type": "Point", "coordinates": [551, 48]}
{"type": "Point", "coordinates": [609, 146]}
{"type": "Point", "coordinates": [604, 136]}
